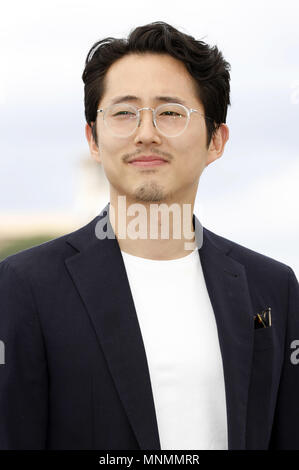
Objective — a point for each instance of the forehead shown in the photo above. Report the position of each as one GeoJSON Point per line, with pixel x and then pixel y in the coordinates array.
{"type": "Point", "coordinates": [148, 75]}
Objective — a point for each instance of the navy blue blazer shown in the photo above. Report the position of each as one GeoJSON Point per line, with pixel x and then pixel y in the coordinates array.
{"type": "Point", "coordinates": [75, 374]}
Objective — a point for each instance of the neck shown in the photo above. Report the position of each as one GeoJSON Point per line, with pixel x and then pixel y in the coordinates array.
{"type": "Point", "coordinates": [161, 231]}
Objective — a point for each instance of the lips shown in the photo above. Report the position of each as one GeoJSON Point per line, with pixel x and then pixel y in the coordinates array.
{"type": "Point", "coordinates": [147, 163]}
{"type": "Point", "coordinates": [148, 158]}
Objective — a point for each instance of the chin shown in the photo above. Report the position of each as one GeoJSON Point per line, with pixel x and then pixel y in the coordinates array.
{"type": "Point", "coordinates": [151, 192]}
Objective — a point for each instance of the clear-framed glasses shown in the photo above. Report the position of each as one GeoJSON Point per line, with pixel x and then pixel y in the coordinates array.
{"type": "Point", "coordinates": [171, 119]}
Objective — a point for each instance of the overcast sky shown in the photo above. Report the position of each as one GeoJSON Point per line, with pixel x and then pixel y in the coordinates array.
{"type": "Point", "coordinates": [250, 195]}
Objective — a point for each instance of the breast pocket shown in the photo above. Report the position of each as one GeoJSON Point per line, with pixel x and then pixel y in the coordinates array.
{"type": "Point", "coordinates": [263, 338]}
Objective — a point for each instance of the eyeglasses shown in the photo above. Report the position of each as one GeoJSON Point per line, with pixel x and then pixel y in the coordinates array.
{"type": "Point", "coordinates": [171, 119]}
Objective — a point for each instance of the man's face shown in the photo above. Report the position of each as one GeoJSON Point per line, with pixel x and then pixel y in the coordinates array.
{"type": "Point", "coordinates": [147, 76]}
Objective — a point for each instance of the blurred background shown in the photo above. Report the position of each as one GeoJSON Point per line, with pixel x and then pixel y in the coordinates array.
{"type": "Point", "coordinates": [49, 184]}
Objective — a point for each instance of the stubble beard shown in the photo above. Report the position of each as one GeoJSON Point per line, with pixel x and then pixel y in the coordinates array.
{"type": "Point", "coordinates": [151, 192]}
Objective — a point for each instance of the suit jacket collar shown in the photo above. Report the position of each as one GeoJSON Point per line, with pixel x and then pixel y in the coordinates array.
{"type": "Point", "coordinates": [99, 274]}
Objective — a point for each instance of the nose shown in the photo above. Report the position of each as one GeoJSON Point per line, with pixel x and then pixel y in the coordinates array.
{"type": "Point", "coordinates": [146, 130]}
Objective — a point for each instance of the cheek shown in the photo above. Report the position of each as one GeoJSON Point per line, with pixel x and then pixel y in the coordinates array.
{"type": "Point", "coordinates": [111, 154]}
{"type": "Point", "coordinates": [190, 160]}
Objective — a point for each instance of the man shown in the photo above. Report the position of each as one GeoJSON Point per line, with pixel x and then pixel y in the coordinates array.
{"type": "Point", "coordinates": [114, 341]}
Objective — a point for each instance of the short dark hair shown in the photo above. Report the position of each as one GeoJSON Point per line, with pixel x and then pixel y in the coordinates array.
{"type": "Point", "coordinates": [204, 63]}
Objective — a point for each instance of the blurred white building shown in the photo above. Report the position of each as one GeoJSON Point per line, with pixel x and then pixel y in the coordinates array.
{"type": "Point", "coordinates": [91, 195]}
{"type": "Point", "coordinates": [92, 192]}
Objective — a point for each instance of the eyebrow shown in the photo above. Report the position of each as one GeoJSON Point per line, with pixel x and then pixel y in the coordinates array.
{"type": "Point", "coordinates": [164, 99]}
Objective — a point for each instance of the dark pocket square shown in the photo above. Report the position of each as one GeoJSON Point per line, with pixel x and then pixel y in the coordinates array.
{"type": "Point", "coordinates": [263, 319]}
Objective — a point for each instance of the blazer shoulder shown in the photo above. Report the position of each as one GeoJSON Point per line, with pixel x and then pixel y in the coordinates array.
{"type": "Point", "coordinates": [47, 255]}
{"type": "Point", "coordinates": [248, 257]}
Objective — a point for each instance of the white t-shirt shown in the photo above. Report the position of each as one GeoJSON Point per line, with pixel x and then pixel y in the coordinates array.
{"type": "Point", "coordinates": [180, 337]}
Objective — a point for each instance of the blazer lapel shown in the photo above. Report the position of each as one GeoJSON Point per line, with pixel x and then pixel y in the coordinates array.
{"type": "Point", "coordinates": [228, 291]}
{"type": "Point", "coordinates": [99, 274]}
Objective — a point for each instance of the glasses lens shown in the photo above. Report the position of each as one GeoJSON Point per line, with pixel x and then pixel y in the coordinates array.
{"type": "Point", "coordinates": [121, 119]}
{"type": "Point", "coordinates": [171, 119]}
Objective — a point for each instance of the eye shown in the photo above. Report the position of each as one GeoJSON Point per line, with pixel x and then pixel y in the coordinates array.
{"type": "Point", "coordinates": [170, 113]}
{"type": "Point", "coordinates": [122, 113]}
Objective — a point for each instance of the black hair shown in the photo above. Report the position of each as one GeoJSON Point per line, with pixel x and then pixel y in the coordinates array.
{"type": "Point", "coordinates": [204, 63]}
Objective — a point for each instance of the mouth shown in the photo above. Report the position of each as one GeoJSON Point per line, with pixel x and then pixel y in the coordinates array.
{"type": "Point", "coordinates": [148, 161]}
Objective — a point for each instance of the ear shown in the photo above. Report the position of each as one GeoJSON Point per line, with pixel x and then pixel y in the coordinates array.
{"type": "Point", "coordinates": [93, 148]}
{"type": "Point", "coordinates": [217, 144]}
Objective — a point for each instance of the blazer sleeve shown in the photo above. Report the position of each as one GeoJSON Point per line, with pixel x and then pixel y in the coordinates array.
{"type": "Point", "coordinates": [285, 435]}
{"type": "Point", "coordinates": [23, 366]}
